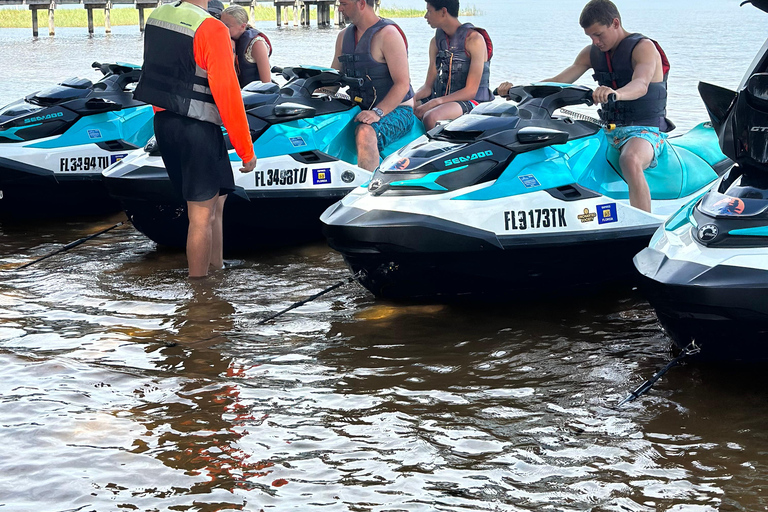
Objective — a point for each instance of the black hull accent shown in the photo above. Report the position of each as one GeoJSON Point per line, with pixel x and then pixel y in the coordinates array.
{"type": "Point", "coordinates": [723, 308]}
{"type": "Point", "coordinates": [413, 257]}
{"type": "Point", "coordinates": [264, 219]}
{"type": "Point", "coordinates": [31, 192]}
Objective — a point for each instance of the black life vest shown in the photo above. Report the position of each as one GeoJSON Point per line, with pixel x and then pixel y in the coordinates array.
{"type": "Point", "coordinates": [170, 77]}
{"type": "Point", "coordinates": [616, 71]}
{"type": "Point", "coordinates": [357, 62]}
{"type": "Point", "coordinates": [453, 62]}
{"type": "Point", "coordinates": [247, 72]}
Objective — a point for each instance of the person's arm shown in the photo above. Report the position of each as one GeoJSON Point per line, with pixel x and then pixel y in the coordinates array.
{"type": "Point", "coordinates": [581, 65]}
{"type": "Point", "coordinates": [213, 53]}
{"type": "Point", "coordinates": [426, 90]}
{"type": "Point", "coordinates": [260, 55]}
{"type": "Point", "coordinates": [645, 61]}
{"type": "Point", "coordinates": [573, 72]}
{"type": "Point", "coordinates": [335, 64]}
{"type": "Point", "coordinates": [396, 56]}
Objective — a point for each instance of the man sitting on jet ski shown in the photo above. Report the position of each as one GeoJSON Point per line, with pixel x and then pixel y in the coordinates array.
{"type": "Point", "coordinates": [376, 50]}
{"type": "Point", "coordinates": [633, 69]}
{"type": "Point", "coordinates": [459, 72]}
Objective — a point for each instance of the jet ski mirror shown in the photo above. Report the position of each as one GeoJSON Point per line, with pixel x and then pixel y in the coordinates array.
{"type": "Point", "coordinates": [718, 102]}
{"type": "Point", "coordinates": [92, 106]}
{"type": "Point", "coordinates": [757, 91]}
{"type": "Point", "coordinates": [294, 110]}
{"type": "Point", "coordinates": [541, 136]}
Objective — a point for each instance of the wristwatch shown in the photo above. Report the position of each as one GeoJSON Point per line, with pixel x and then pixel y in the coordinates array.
{"type": "Point", "coordinates": [378, 111]}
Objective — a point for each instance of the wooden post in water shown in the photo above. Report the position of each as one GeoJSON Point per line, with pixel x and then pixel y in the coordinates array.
{"type": "Point", "coordinates": [51, 26]}
{"type": "Point", "coordinates": [34, 20]}
{"type": "Point", "coordinates": [107, 21]}
{"type": "Point", "coordinates": [90, 19]}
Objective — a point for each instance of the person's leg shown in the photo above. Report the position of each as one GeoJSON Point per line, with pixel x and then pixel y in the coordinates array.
{"type": "Point", "coordinates": [636, 155]}
{"type": "Point", "coordinates": [217, 235]}
{"type": "Point", "coordinates": [200, 235]}
{"type": "Point", "coordinates": [446, 111]}
{"type": "Point", "coordinates": [367, 147]}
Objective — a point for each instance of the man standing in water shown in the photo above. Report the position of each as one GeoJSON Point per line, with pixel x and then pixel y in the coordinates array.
{"type": "Point", "coordinates": [633, 68]}
{"type": "Point", "coordinates": [459, 70]}
{"type": "Point", "coordinates": [189, 77]}
{"type": "Point", "coordinates": [375, 50]}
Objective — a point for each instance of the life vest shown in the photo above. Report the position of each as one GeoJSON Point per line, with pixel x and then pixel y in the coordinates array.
{"type": "Point", "coordinates": [357, 62]}
{"type": "Point", "coordinates": [170, 77]}
{"type": "Point", "coordinates": [453, 62]}
{"type": "Point", "coordinates": [247, 72]}
{"type": "Point", "coordinates": [616, 71]}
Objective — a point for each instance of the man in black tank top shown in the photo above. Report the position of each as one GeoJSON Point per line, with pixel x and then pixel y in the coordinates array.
{"type": "Point", "coordinates": [459, 56]}
{"type": "Point", "coordinates": [375, 50]}
{"type": "Point", "coordinates": [634, 68]}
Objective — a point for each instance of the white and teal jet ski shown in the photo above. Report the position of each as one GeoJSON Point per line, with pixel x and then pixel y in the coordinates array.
{"type": "Point", "coordinates": [305, 144]}
{"type": "Point", "coordinates": [510, 196]}
{"type": "Point", "coordinates": [55, 143]}
{"type": "Point", "coordinates": [706, 270]}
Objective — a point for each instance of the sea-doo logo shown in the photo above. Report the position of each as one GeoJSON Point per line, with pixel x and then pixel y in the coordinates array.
{"type": "Point", "coordinates": [463, 159]}
{"type": "Point", "coordinates": [708, 232]}
{"type": "Point", "coordinates": [46, 117]}
{"type": "Point", "coordinates": [759, 129]}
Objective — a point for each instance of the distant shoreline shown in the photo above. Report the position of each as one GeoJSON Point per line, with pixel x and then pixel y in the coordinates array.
{"type": "Point", "coordinates": [74, 17]}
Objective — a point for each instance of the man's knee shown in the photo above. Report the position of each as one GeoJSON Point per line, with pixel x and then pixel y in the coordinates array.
{"type": "Point", "coordinates": [635, 158]}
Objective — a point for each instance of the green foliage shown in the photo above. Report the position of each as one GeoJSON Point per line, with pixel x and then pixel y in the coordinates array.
{"type": "Point", "coordinates": [22, 18]}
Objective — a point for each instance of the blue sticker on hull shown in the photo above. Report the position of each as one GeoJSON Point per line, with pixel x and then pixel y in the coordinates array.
{"type": "Point", "coordinates": [607, 213]}
{"type": "Point", "coordinates": [297, 142]}
{"type": "Point", "coordinates": [117, 158]}
{"type": "Point", "coordinates": [94, 134]}
{"type": "Point", "coordinates": [529, 181]}
{"type": "Point", "coordinates": [321, 176]}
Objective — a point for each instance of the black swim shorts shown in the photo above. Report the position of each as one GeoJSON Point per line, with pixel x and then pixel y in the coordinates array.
{"type": "Point", "coordinates": [195, 156]}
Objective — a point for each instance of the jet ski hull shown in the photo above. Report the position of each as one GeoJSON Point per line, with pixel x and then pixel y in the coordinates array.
{"type": "Point", "coordinates": [258, 214]}
{"type": "Point", "coordinates": [721, 306]}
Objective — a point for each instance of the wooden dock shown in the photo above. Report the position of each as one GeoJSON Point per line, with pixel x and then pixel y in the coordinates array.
{"type": "Point", "coordinates": [302, 10]}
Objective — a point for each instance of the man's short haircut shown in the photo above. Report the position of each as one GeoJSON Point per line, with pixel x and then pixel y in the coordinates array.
{"type": "Point", "coordinates": [371, 3]}
{"type": "Point", "coordinates": [237, 12]}
{"type": "Point", "coordinates": [598, 11]}
{"type": "Point", "coordinates": [452, 6]}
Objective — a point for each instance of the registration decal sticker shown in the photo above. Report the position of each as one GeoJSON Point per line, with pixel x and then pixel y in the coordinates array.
{"type": "Point", "coordinates": [607, 213]}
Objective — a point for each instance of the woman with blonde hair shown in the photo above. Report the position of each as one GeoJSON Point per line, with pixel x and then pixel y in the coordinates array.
{"type": "Point", "coordinates": [252, 47]}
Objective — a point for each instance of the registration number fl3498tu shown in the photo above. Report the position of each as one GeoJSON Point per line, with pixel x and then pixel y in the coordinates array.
{"type": "Point", "coordinates": [536, 218]}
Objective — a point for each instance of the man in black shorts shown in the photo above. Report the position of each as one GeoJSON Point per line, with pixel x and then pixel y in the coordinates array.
{"type": "Point", "coordinates": [189, 76]}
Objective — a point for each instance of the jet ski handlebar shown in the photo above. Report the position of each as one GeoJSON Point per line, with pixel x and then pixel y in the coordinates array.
{"type": "Point", "coordinates": [550, 96]}
{"type": "Point", "coordinates": [309, 78]}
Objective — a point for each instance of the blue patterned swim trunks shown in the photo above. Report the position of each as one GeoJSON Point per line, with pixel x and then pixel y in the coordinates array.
{"type": "Point", "coordinates": [621, 135]}
{"type": "Point", "coordinates": [394, 125]}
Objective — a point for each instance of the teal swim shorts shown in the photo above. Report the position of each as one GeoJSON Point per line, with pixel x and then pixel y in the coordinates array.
{"type": "Point", "coordinates": [621, 135]}
{"type": "Point", "coordinates": [394, 125]}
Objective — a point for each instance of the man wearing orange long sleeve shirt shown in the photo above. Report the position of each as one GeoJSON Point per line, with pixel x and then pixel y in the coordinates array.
{"type": "Point", "coordinates": [189, 76]}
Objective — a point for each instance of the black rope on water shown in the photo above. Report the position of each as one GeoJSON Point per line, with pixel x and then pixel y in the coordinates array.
{"type": "Point", "coordinates": [690, 350]}
{"type": "Point", "coordinates": [295, 305]}
{"type": "Point", "coordinates": [69, 246]}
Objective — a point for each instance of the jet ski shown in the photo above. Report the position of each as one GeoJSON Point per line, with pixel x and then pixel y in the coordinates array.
{"type": "Point", "coordinates": [54, 143]}
{"type": "Point", "coordinates": [705, 270]}
{"type": "Point", "coordinates": [305, 144]}
{"type": "Point", "coordinates": [511, 196]}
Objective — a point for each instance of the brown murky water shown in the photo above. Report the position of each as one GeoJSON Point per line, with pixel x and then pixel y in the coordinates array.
{"type": "Point", "coordinates": [123, 386]}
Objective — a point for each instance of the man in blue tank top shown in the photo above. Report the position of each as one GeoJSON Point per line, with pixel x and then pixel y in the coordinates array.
{"type": "Point", "coordinates": [634, 69]}
{"type": "Point", "coordinates": [375, 50]}
{"type": "Point", "coordinates": [459, 70]}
